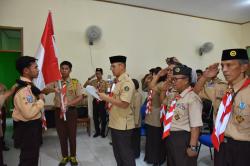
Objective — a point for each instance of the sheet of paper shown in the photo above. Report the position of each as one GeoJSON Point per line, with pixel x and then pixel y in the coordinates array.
{"type": "Point", "coordinates": [92, 91]}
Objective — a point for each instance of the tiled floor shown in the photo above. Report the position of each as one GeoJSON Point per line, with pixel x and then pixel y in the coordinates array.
{"type": "Point", "coordinates": [90, 151]}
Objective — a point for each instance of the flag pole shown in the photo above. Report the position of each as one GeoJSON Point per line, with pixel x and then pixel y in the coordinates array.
{"type": "Point", "coordinates": [63, 109]}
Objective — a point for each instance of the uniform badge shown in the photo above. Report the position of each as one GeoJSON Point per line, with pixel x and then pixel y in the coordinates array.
{"type": "Point", "coordinates": [242, 106]}
{"type": "Point", "coordinates": [177, 70]}
{"type": "Point", "coordinates": [233, 53]}
{"type": "Point", "coordinates": [126, 88]}
{"type": "Point", "coordinates": [177, 117]}
{"type": "Point", "coordinates": [210, 84]}
{"type": "Point", "coordinates": [29, 99]}
{"type": "Point", "coordinates": [239, 118]}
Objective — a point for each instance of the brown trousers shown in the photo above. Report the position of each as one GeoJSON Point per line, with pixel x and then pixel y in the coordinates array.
{"type": "Point", "coordinates": [66, 130]}
{"type": "Point", "coordinates": [233, 153]}
{"type": "Point", "coordinates": [176, 145]}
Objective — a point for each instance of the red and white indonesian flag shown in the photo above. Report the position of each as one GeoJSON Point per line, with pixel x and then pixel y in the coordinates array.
{"type": "Point", "coordinates": [47, 60]}
{"type": "Point", "coordinates": [47, 57]}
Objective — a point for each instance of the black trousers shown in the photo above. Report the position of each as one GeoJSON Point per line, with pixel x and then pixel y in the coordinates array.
{"type": "Point", "coordinates": [30, 136]}
{"type": "Point", "coordinates": [66, 131]}
{"type": "Point", "coordinates": [233, 153]}
{"type": "Point", "coordinates": [1, 151]}
{"type": "Point", "coordinates": [155, 152]}
{"type": "Point", "coordinates": [176, 145]}
{"type": "Point", "coordinates": [136, 140]}
{"type": "Point", "coordinates": [122, 147]}
{"type": "Point", "coordinates": [99, 115]}
{"type": "Point", "coordinates": [4, 110]}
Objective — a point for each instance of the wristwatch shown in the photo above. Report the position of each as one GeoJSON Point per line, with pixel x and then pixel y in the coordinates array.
{"type": "Point", "coordinates": [193, 148]}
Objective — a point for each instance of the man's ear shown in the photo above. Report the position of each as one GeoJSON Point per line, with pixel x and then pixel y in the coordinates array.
{"type": "Point", "coordinates": [244, 68]}
{"type": "Point", "coordinates": [25, 70]}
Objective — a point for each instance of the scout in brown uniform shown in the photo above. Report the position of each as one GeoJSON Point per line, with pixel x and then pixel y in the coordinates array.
{"type": "Point", "coordinates": [4, 110]}
{"type": "Point", "coordinates": [213, 89]}
{"type": "Point", "coordinates": [99, 110]}
{"type": "Point", "coordinates": [136, 106]}
{"type": "Point", "coordinates": [121, 116]}
{"type": "Point", "coordinates": [235, 149]}
{"type": "Point", "coordinates": [3, 97]}
{"type": "Point", "coordinates": [66, 129]}
{"type": "Point", "coordinates": [28, 103]}
{"type": "Point", "coordinates": [181, 144]}
{"type": "Point", "coordinates": [154, 147]}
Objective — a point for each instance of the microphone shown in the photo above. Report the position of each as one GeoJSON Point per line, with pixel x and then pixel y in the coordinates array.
{"type": "Point", "coordinates": [110, 81]}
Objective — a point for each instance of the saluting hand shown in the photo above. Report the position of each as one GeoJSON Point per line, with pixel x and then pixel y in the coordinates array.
{"type": "Point", "coordinates": [211, 71]}
{"type": "Point", "coordinates": [162, 72]}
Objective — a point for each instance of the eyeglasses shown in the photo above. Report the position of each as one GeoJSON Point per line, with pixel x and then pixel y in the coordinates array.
{"type": "Point", "coordinates": [176, 78]}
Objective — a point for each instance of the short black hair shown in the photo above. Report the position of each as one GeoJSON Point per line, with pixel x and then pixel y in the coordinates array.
{"type": "Point", "coordinates": [199, 71]}
{"type": "Point", "coordinates": [23, 62]}
{"type": "Point", "coordinates": [99, 69]}
{"type": "Point", "coordinates": [136, 83]}
{"type": "Point", "coordinates": [66, 63]}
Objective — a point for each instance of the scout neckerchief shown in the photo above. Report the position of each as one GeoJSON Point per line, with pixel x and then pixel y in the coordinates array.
{"type": "Point", "coordinates": [36, 92]}
{"type": "Point", "coordinates": [223, 116]}
{"type": "Point", "coordinates": [63, 100]}
{"type": "Point", "coordinates": [168, 117]}
{"type": "Point", "coordinates": [111, 94]}
{"type": "Point", "coordinates": [149, 102]}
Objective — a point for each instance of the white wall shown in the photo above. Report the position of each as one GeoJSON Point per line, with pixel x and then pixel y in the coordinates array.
{"type": "Point", "coordinates": [146, 37]}
{"type": "Point", "coordinates": [246, 35]}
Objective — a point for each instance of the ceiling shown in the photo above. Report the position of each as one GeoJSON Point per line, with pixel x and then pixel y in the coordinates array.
{"type": "Point", "coordinates": [235, 11]}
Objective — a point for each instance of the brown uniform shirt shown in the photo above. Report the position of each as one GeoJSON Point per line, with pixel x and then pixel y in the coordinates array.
{"type": "Point", "coordinates": [122, 118]}
{"type": "Point", "coordinates": [136, 107]}
{"type": "Point", "coordinates": [238, 126]}
{"type": "Point", "coordinates": [27, 107]}
{"type": "Point", "coordinates": [102, 85]}
{"type": "Point", "coordinates": [214, 90]}
{"type": "Point", "coordinates": [153, 118]}
{"type": "Point", "coordinates": [187, 112]}
{"type": "Point", "coordinates": [74, 90]}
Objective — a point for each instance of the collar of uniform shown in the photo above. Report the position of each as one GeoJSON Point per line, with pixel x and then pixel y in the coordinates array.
{"type": "Point", "coordinates": [186, 91]}
{"type": "Point", "coordinates": [67, 80]}
{"type": "Point", "coordinates": [123, 76]}
{"type": "Point", "coordinates": [25, 79]}
{"type": "Point", "coordinates": [99, 81]}
{"type": "Point", "coordinates": [238, 85]}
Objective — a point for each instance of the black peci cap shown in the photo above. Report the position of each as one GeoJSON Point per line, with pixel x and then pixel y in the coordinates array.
{"type": "Point", "coordinates": [182, 70]}
{"type": "Point", "coordinates": [117, 58]}
{"type": "Point", "coordinates": [232, 54]}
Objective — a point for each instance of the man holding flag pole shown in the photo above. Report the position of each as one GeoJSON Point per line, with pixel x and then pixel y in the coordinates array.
{"type": "Point", "coordinates": [66, 114]}
{"type": "Point", "coordinates": [68, 91]}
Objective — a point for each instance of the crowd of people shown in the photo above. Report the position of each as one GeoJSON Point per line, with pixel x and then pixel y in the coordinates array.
{"type": "Point", "coordinates": [173, 111]}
